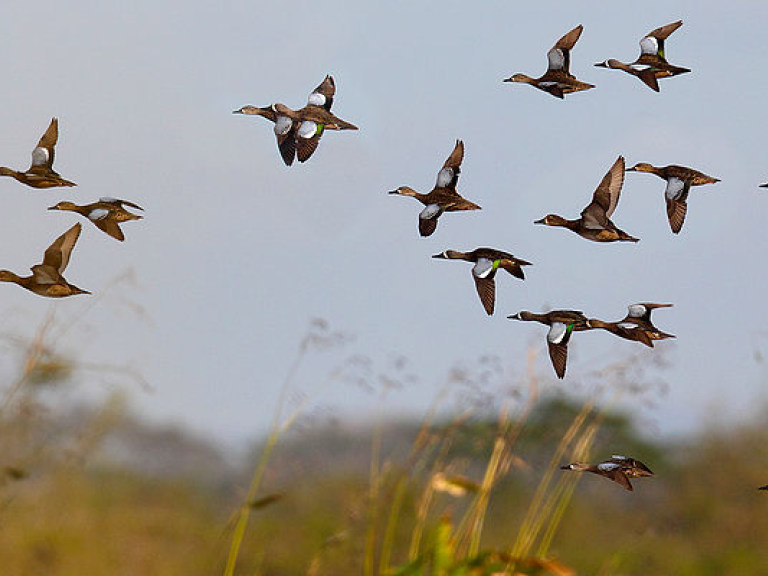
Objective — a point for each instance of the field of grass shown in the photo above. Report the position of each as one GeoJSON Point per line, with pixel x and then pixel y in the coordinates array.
{"type": "Point", "coordinates": [93, 491]}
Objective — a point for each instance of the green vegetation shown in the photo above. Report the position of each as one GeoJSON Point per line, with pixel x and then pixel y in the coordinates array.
{"type": "Point", "coordinates": [93, 491]}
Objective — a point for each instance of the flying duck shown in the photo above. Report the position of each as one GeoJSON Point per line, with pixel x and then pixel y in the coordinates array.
{"type": "Point", "coordinates": [617, 468]}
{"type": "Point", "coordinates": [40, 173]}
{"type": "Point", "coordinates": [487, 262]}
{"type": "Point", "coordinates": [46, 278]}
{"type": "Point", "coordinates": [106, 214]}
{"type": "Point", "coordinates": [562, 323]}
{"type": "Point", "coordinates": [679, 181]}
{"type": "Point", "coordinates": [557, 80]}
{"type": "Point", "coordinates": [443, 197]}
{"type": "Point", "coordinates": [298, 131]}
{"type": "Point", "coordinates": [594, 223]}
{"type": "Point", "coordinates": [652, 63]}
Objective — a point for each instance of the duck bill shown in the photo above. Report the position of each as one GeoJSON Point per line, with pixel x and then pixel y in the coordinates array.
{"type": "Point", "coordinates": [542, 221]}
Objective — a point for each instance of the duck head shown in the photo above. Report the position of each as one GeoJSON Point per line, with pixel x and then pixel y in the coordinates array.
{"type": "Point", "coordinates": [522, 315]}
{"type": "Point", "coordinates": [642, 167]}
{"type": "Point", "coordinates": [519, 78]}
{"type": "Point", "coordinates": [404, 191]}
{"type": "Point", "coordinates": [448, 255]}
{"type": "Point", "coordinates": [578, 466]}
{"type": "Point", "coordinates": [64, 205]}
{"type": "Point", "coordinates": [252, 110]}
{"type": "Point", "coordinates": [552, 220]}
{"type": "Point", "coordinates": [610, 63]}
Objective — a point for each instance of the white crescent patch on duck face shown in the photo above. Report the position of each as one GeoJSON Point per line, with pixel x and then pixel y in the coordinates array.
{"type": "Point", "coordinates": [444, 177]}
{"type": "Point", "coordinates": [674, 189]}
{"type": "Point", "coordinates": [636, 310]}
{"type": "Point", "coordinates": [482, 268]}
{"type": "Point", "coordinates": [307, 129]}
{"type": "Point", "coordinates": [556, 59]}
{"type": "Point", "coordinates": [98, 214]}
{"type": "Point", "coordinates": [282, 125]}
{"type": "Point", "coordinates": [316, 99]}
{"type": "Point", "coordinates": [649, 45]}
{"type": "Point", "coordinates": [40, 156]}
{"type": "Point", "coordinates": [429, 212]}
{"type": "Point", "coordinates": [557, 332]}
{"type": "Point", "coordinates": [608, 466]}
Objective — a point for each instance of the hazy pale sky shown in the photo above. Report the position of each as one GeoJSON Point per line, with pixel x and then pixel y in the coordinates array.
{"type": "Point", "coordinates": [238, 252]}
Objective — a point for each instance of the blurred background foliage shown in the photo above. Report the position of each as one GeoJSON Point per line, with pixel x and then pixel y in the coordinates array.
{"type": "Point", "coordinates": [91, 489]}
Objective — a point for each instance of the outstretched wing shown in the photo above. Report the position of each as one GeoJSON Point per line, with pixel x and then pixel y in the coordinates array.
{"type": "Point", "coordinates": [559, 56]}
{"type": "Point", "coordinates": [119, 202]}
{"type": "Point", "coordinates": [307, 138]}
{"type": "Point", "coordinates": [598, 212]}
{"type": "Point", "coordinates": [608, 191]}
{"type": "Point", "coordinates": [428, 219]}
{"type": "Point", "coordinates": [486, 289]}
{"type": "Point", "coordinates": [111, 227]}
{"type": "Point", "coordinates": [449, 173]}
{"type": "Point", "coordinates": [323, 95]}
{"type": "Point", "coordinates": [653, 42]}
{"type": "Point", "coordinates": [557, 341]}
{"type": "Point", "coordinates": [57, 254]}
{"type": "Point", "coordinates": [676, 196]}
{"type": "Point", "coordinates": [42, 155]}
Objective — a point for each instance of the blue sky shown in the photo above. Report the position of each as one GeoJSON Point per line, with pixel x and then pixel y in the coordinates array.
{"type": "Point", "coordinates": [238, 253]}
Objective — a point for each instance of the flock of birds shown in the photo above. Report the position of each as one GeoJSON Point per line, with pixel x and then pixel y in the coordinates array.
{"type": "Point", "coordinates": [298, 134]}
{"type": "Point", "coordinates": [107, 213]}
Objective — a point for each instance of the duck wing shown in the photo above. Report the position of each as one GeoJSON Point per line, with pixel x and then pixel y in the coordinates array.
{"type": "Point", "coordinates": [615, 471]}
{"type": "Point", "coordinates": [323, 95]}
{"type": "Point", "coordinates": [559, 56]}
{"type": "Point", "coordinates": [308, 136]}
{"type": "Point", "coordinates": [486, 289]}
{"type": "Point", "coordinates": [109, 226]}
{"type": "Point", "coordinates": [514, 266]}
{"type": "Point", "coordinates": [676, 196]}
{"type": "Point", "coordinates": [428, 219]}
{"type": "Point", "coordinates": [449, 173]}
{"type": "Point", "coordinates": [285, 132]}
{"type": "Point", "coordinates": [42, 155]}
{"type": "Point", "coordinates": [119, 203]}
{"type": "Point", "coordinates": [483, 273]}
{"type": "Point", "coordinates": [557, 342]}
{"type": "Point", "coordinates": [653, 42]}
{"type": "Point", "coordinates": [597, 214]}
{"type": "Point", "coordinates": [57, 255]}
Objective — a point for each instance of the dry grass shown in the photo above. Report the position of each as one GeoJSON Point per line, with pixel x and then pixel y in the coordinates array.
{"type": "Point", "coordinates": [471, 495]}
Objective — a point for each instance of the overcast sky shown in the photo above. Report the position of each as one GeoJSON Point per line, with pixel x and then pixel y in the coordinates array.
{"type": "Point", "coordinates": [238, 253]}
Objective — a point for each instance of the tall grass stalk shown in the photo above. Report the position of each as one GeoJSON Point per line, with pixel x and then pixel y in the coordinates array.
{"type": "Point", "coordinates": [277, 428]}
{"type": "Point", "coordinates": [445, 443]}
{"type": "Point", "coordinates": [369, 560]}
{"type": "Point", "coordinates": [470, 528]}
{"type": "Point", "coordinates": [542, 501]}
